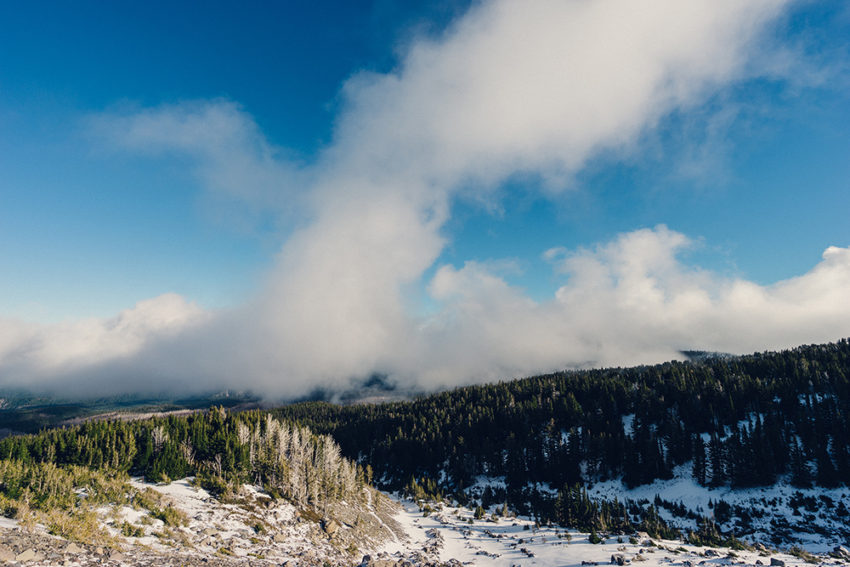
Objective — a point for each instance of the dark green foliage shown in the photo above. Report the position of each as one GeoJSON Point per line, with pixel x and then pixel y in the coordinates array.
{"type": "Point", "coordinates": [763, 416]}
{"type": "Point", "coordinates": [574, 509]}
{"type": "Point", "coordinates": [735, 421]}
{"type": "Point", "coordinates": [221, 449]}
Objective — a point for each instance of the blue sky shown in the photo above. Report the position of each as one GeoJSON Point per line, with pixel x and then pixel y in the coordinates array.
{"type": "Point", "coordinates": [747, 159]}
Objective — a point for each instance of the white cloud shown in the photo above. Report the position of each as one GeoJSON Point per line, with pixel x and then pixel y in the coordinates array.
{"type": "Point", "coordinates": [44, 355]}
{"type": "Point", "coordinates": [510, 88]}
{"type": "Point", "coordinates": [626, 302]}
{"type": "Point", "coordinates": [231, 157]}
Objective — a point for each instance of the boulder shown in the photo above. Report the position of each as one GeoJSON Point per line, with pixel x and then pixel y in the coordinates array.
{"type": "Point", "coordinates": [29, 555]}
{"type": "Point", "coordinates": [711, 553]}
{"type": "Point", "coordinates": [618, 559]}
{"type": "Point", "coordinates": [330, 526]}
{"type": "Point", "coordinates": [73, 548]}
{"type": "Point", "coordinates": [774, 562]}
{"type": "Point", "coordinates": [280, 538]}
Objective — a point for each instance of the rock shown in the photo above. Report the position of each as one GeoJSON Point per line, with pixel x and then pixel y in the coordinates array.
{"type": "Point", "coordinates": [73, 548]}
{"type": "Point", "coordinates": [330, 526]}
{"type": "Point", "coordinates": [758, 562]}
{"type": "Point", "coordinates": [117, 556]}
{"type": "Point", "coordinates": [774, 562]}
{"type": "Point", "coordinates": [618, 559]}
{"type": "Point", "coordinates": [210, 532]}
{"type": "Point", "coordinates": [6, 553]}
{"type": "Point", "coordinates": [279, 538]}
{"type": "Point", "coordinates": [842, 551]}
{"type": "Point", "coordinates": [687, 564]}
{"type": "Point", "coordinates": [29, 555]}
{"type": "Point", "coordinates": [711, 553]}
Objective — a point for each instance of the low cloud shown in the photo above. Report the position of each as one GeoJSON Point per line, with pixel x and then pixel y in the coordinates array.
{"type": "Point", "coordinates": [629, 301]}
{"type": "Point", "coordinates": [511, 88]}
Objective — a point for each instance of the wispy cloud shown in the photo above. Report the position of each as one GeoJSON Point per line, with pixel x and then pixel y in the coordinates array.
{"type": "Point", "coordinates": [510, 88]}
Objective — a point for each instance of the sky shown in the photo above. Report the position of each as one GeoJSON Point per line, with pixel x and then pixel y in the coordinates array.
{"type": "Point", "coordinates": [280, 196]}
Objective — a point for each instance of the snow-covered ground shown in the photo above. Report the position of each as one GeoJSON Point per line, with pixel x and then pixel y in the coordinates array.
{"type": "Point", "coordinates": [252, 529]}
{"type": "Point", "coordinates": [446, 534]}
{"type": "Point", "coordinates": [815, 518]}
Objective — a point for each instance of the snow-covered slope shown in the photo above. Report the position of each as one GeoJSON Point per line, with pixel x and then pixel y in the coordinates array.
{"type": "Point", "coordinates": [814, 518]}
{"type": "Point", "coordinates": [446, 534]}
{"type": "Point", "coordinates": [251, 529]}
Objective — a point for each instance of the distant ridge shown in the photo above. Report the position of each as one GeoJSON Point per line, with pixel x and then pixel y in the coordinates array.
{"type": "Point", "coordinates": [705, 355]}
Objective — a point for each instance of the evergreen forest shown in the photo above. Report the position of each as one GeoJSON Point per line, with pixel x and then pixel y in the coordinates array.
{"type": "Point", "coordinates": [736, 421]}
{"type": "Point", "coordinates": [728, 421]}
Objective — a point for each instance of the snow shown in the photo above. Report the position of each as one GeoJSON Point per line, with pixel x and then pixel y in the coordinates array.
{"type": "Point", "coordinates": [628, 423]}
{"type": "Point", "coordinates": [503, 542]}
{"type": "Point", "coordinates": [773, 500]}
{"type": "Point", "coordinates": [446, 532]}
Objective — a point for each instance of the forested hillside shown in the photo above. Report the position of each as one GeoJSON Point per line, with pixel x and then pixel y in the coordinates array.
{"type": "Point", "coordinates": [222, 449]}
{"type": "Point", "coordinates": [734, 421]}
{"type": "Point", "coordinates": [730, 422]}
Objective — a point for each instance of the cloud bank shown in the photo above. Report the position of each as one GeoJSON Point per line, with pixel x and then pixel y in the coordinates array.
{"type": "Point", "coordinates": [511, 88]}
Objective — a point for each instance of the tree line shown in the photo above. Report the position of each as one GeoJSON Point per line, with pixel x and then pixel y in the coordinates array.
{"type": "Point", "coordinates": [222, 449]}
{"type": "Point", "coordinates": [738, 421]}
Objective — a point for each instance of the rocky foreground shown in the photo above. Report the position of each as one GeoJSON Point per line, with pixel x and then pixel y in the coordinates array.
{"type": "Point", "coordinates": [251, 529]}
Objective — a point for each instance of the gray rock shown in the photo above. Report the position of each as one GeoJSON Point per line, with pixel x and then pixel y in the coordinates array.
{"type": "Point", "coordinates": [774, 562]}
{"type": "Point", "coordinates": [73, 548]}
{"type": "Point", "coordinates": [279, 538]}
{"type": "Point", "coordinates": [711, 553]}
{"type": "Point", "coordinates": [618, 559]}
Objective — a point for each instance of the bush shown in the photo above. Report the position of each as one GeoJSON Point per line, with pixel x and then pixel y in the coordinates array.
{"type": "Point", "coordinates": [170, 516]}
{"type": "Point", "coordinates": [129, 530]}
{"type": "Point", "coordinates": [593, 537]}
